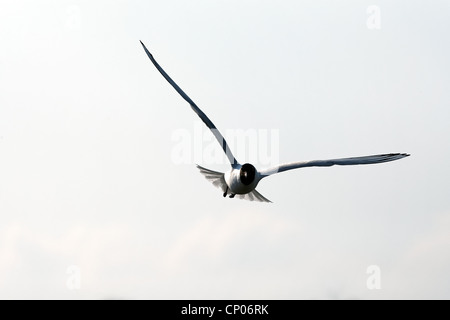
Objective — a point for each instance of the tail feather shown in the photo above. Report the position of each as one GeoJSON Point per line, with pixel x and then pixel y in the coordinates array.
{"type": "Point", "coordinates": [253, 196]}
{"type": "Point", "coordinates": [216, 178]}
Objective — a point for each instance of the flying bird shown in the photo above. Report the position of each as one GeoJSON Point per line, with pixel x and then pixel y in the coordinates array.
{"type": "Point", "coordinates": [242, 179]}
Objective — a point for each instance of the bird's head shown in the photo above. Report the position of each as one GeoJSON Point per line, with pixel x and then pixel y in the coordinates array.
{"type": "Point", "coordinates": [247, 174]}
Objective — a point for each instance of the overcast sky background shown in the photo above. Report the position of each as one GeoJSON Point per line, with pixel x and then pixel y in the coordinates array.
{"type": "Point", "coordinates": [88, 180]}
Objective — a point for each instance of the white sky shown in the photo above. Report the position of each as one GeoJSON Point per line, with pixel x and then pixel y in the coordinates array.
{"type": "Point", "coordinates": [87, 177]}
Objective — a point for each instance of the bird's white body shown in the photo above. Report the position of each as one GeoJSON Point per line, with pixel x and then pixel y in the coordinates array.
{"type": "Point", "coordinates": [241, 180]}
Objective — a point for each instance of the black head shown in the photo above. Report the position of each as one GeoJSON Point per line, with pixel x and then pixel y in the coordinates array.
{"type": "Point", "coordinates": [247, 174]}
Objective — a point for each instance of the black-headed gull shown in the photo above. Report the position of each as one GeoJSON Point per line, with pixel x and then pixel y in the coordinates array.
{"type": "Point", "coordinates": [241, 180]}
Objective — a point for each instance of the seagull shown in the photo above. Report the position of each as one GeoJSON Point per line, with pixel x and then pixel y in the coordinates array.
{"type": "Point", "coordinates": [241, 180]}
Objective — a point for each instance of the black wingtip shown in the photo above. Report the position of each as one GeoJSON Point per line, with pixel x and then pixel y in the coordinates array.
{"type": "Point", "coordinates": [146, 51]}
{"type": "Point", "coordinates": [398, 155]}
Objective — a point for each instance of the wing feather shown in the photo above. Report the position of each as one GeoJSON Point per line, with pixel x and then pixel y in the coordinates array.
{"type": "Point", "coordinates": [342, 162]}
{"type": "Point", "coordinates": [223, 143]}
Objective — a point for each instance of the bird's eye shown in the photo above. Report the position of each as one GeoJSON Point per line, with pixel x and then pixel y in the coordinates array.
{"type": "Point", "coordinates": [247, 174]}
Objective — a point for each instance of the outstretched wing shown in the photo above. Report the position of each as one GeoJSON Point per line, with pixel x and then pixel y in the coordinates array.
{"type": "Point", "coordinates": [342, 162]}
{"type": "Point", "coordinates": [196, 109]}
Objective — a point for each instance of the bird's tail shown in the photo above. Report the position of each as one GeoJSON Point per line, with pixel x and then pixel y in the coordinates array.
{"type": "Point", "coordinates": [216, 178]}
